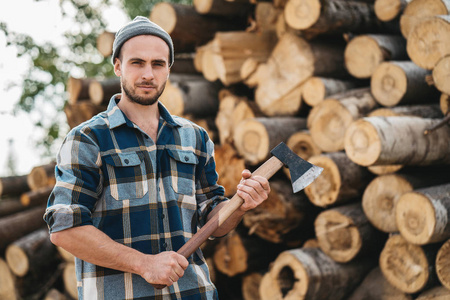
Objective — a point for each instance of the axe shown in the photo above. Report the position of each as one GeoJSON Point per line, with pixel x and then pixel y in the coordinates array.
{"type": "Point", "coordinates": [302, 174]}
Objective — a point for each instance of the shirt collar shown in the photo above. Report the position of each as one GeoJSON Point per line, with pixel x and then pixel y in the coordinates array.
{"type": "Point", "coordinates": [117, 118]}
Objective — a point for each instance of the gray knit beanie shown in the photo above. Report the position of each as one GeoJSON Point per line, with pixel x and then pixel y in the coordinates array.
{"type": "Point", "coordinates": [141, 26]}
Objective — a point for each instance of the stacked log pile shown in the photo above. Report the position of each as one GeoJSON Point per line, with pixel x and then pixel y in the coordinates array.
{"type": "Point", "coordinates": [360, 88]}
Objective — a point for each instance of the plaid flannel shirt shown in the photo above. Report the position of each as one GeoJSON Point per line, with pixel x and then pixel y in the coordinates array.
{"type": "Point", "coordinates": [151, 197]}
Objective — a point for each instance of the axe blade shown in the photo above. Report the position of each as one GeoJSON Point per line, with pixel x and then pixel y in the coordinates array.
{"type": "Point", "coordinates": [302, 172]}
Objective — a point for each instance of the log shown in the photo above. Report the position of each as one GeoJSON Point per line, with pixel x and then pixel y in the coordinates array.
{"type": "Point", "coordinates": [70, 280]}
{"type": "Point", "coordinates": [36, 197]}
{"type": "Point", "coordinates": [344, 233]}
{"type": "Point", "coordinates": [422, 215]}
{"type": "Point", "coordinates": [382, 194]}
{"type": "Point", "coordinates": [402, 82]}
{"type": "Point", "coordinates": [417, 10]}
{"type": "Point", "coordinates": [231, 49]}
{"type": "Point", "coordinates": [266, 16]}
{"type": "Point", "coordinates": [375, 287]}
{"type": "Point", "coordinates": [341, 180]}
{"type": "Point", "coordinates": [429, 41]}
{"type": "Point", "coordinates": [10, 206]}
{"type": "Point", "coordinates": [389, 10]}
{"type": "Point", "coordinates": [301, 143]}
{"type": "Point", "coordinates": [195, 96]}
{"type": "Point", "coordinates": [365, 53]}
{"type": "Point", "coordinates": [408, 267]}
{"type": "Point", "coordinates": [431, 111]}
{"type": "Point", "coordinates": [17, 225]}
{"type": "Point", "coordinates": [80, 112]}
{"type": "Point", "coordinates": [100, 92]}
{"type": "Point", "coordinates": [222, 8]}
{"type": "Point", "coordinates": [7, 288]}
{"type": "Point", "coordinates": [239, 253]}
{"type": "Point", "coordinates": [188, 28]}
{"type": "Point", "coordinates": [229, 166]}
{"type": "Point", "coordinates": [284, 218]}
{"type": "Point", "coordinates": [78, 89]}
{"type": "Point", "coordinates": [66, 255]}
{"type": "Point", "coordinates": [13, 185]}
{"type": "Point", "coordinates": [444, 103]}
{"type": "Point", "coordinates": [294, 60]}
{"type": "Point", "coordinates": [308, 273]}
{"type": "Point", "coordinates": [382, 140]}
{"type": "Point", "coordinates": [32, 253]}
{"type": "Point", "coordinates": [435, 293]}
{"type": "Point", "coordinates": [317, 89]}
{"type": "Point", "coordinates": [255, 138]}
{"type": "Point", "coordinates": [443, 263]}
{"type": "Point", "coordinates": [330, 16]}
{"type": "Point", "coordinates": [204, 61]}
{"type": "Point", "coordinates": [54, 294]}
{"type": "Point", "coordinates": [42, 176]}
{"type": "Point", "coordinates": [250, 286]}
{"type": "Point", "coordinates": [105, 42]}
{"type": "Point", "coordinates": [441, 74]}
{"type": "Point", "coordinates": [329, 120]}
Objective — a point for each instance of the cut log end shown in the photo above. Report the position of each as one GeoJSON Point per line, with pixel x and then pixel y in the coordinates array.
{"type": "Point", "coordinates": [302, 144]}
{"type": "Point", "coordinates": [105, 42]}
{"type": "Point", "coordinates": [362, 56]}
{"type": "Point", "coordinates": [7, 288]}
{"type": "Point", "coordinates": [165, 16]}
{"type": "Point", "coordinates": [443, 264]}
{"type": "Point", "coordinates": [404, 265]}
{"type": "Point", "coordinates": [338, 237]}
{"type": "Point", "coordinates": [387, 10]}
{"type": "Point", "coordinates": [325, 189]}
{"type": "Point", "coordinates": [362, 144]}
{"type": "Point", "coordinates": [313, 91]}
{"type": "Point", "coordinates": [388, 84]}
{"type": "Point", "coordinates": [441, 75]}
{"type": "Point", "coordinates": [302, 14]}
{"type": "Point", "coordinates": [251, 139]}
{"type": "Point", "coordinates": [444, 103]}
{"type": "Point", "coordinates": [17, 260]}
{"type": "Point", "coordinates": [416, 218]}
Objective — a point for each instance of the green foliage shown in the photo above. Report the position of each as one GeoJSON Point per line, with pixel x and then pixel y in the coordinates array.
{"type": "Point", "coordinates": [135, 8]}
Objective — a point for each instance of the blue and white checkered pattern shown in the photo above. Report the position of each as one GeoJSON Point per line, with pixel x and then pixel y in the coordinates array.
{"type": "Point", "coordinates": [151, 197]}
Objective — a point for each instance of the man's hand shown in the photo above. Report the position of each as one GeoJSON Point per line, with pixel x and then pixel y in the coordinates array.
{"type": "Point", "coordinates": [164, 268]}
{"type": "Point", "coordinates": [253, 190]}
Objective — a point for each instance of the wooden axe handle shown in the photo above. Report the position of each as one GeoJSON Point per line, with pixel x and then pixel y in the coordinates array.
{"type": "Point", "coordinates": [266, 170]}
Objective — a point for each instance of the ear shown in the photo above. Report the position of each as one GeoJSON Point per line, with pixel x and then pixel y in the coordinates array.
{"type": "Point", "coordinates": [117, 67]}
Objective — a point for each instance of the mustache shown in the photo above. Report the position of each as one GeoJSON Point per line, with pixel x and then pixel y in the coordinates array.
{"type": "Point", "coordinates": [147, 84]}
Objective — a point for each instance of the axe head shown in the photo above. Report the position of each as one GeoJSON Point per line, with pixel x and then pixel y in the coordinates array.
{"type": "Point", "coordinates": [302, 172]}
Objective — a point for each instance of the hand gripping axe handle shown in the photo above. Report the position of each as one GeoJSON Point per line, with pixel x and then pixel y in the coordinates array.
{"type": "Point", "coordinates": [302, 174]}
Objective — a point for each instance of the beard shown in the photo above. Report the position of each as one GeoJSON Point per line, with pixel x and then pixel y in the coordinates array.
{"type": "Point", "coordinates": [146, 99]}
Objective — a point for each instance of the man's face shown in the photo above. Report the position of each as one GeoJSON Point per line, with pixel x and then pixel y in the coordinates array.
{"type": "Point", "coordinates": [144, 68]}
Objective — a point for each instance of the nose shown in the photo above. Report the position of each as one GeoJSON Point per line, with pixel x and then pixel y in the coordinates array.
{"type": "Point", "coordinates": [148, 73]}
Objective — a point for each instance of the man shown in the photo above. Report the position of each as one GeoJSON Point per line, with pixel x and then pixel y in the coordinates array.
{"type": "Point", "coordinates": [134, 183]}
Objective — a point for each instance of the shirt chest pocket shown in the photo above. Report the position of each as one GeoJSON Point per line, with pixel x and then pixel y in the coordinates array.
{"type": "Point", "coordinates": [182, 169]}
{"type": "Point", "coordinates": [127, 175]}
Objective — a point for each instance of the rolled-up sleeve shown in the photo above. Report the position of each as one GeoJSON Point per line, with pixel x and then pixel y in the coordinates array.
{"type": "Point", "coordinates": [78, 183]}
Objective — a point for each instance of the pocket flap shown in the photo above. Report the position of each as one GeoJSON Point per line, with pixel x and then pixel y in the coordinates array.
{"type": "Point", "coordinates": [127, 159]}
{"type": "Point", "coordinates": [184, 156]}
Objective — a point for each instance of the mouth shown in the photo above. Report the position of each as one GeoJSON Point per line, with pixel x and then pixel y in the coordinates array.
{"type": "Point", "coordinates": [146, 87]}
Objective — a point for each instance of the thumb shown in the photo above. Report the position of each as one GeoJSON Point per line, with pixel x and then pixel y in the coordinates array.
{"type": "Point", "coordinates": [246, 174]}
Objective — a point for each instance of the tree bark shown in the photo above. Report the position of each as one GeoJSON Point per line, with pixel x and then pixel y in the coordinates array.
{"type": "Point", "coordinates": [284, 217]}
{"type": "Point", "coordinates": [417, 10]}
{"type": "Point", "coordinates": [188, 28]}
{"type": "Point", "coordinates": [430, 111]}
{"type": "Point", "coordinates": [402, 82]}
{"type": "Point", "coordinates": [422, 215]}
{"type": "Point", "coordinates": [329, 120]}
{"type": "Point", "coordinates": [429, 41]}
{"type": "Point", "coordinates": [345, 233]}
{"type": "Point", "coordinates": [436, 293]}
{"type": "Point", "coordinates": [32, 253]}
{"type": "Point", "coordinates": [408, 267]}
{"type": "Point", "coordinates": [36, 197]}
{"type": "Point", "coordinates": [441, 75]}
{"type": "Point", "coordinates": [317, 89]}
{"type": "Point", "coordinates": [42, 176]}
{"type": "Point", "coordinates": [382, 194]}
{"type": "Point", "coordinates": [310, 274]}
{"type": "Point", "coordinates": [17, 225]}
{"type": "Point", "coordinates": [78, 89]}
{"type": "Point", "coordinates": [100, 92]}
{"type": "Point", "coordinates": [222, 8]}
{"type": "Point", "coordinates": [10, 206]}
{"type": "Point", "coordinates": [330, 16]}
{"type": "Point", "coordinates": [341, 180]}
{"type": "Point", "coordinates": [80, 112]}
{"type": "Point", "coordinates": [443, 263]}
{"type": "Point", "coordinates": [365, 53]}
{"type": "Point", "coordinates": [376, 287]}
{"type": "Point", "coordinates": [255, 138]}
{"type": "Point", "coordinates": [382, 140]}
{"type": "Point", "coordinates": [13, 185]}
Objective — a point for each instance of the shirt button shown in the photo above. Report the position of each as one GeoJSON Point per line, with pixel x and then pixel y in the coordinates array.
{"type": "Point", "coordinates": [163, 216]}
{"type": "Point", "coordinates": [186, 158]}
{"type": "Point", "coordinates": [126, 161]}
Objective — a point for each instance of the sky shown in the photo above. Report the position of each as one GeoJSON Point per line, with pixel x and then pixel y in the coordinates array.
{"type": "Point", "coordinates": [41, 20]}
